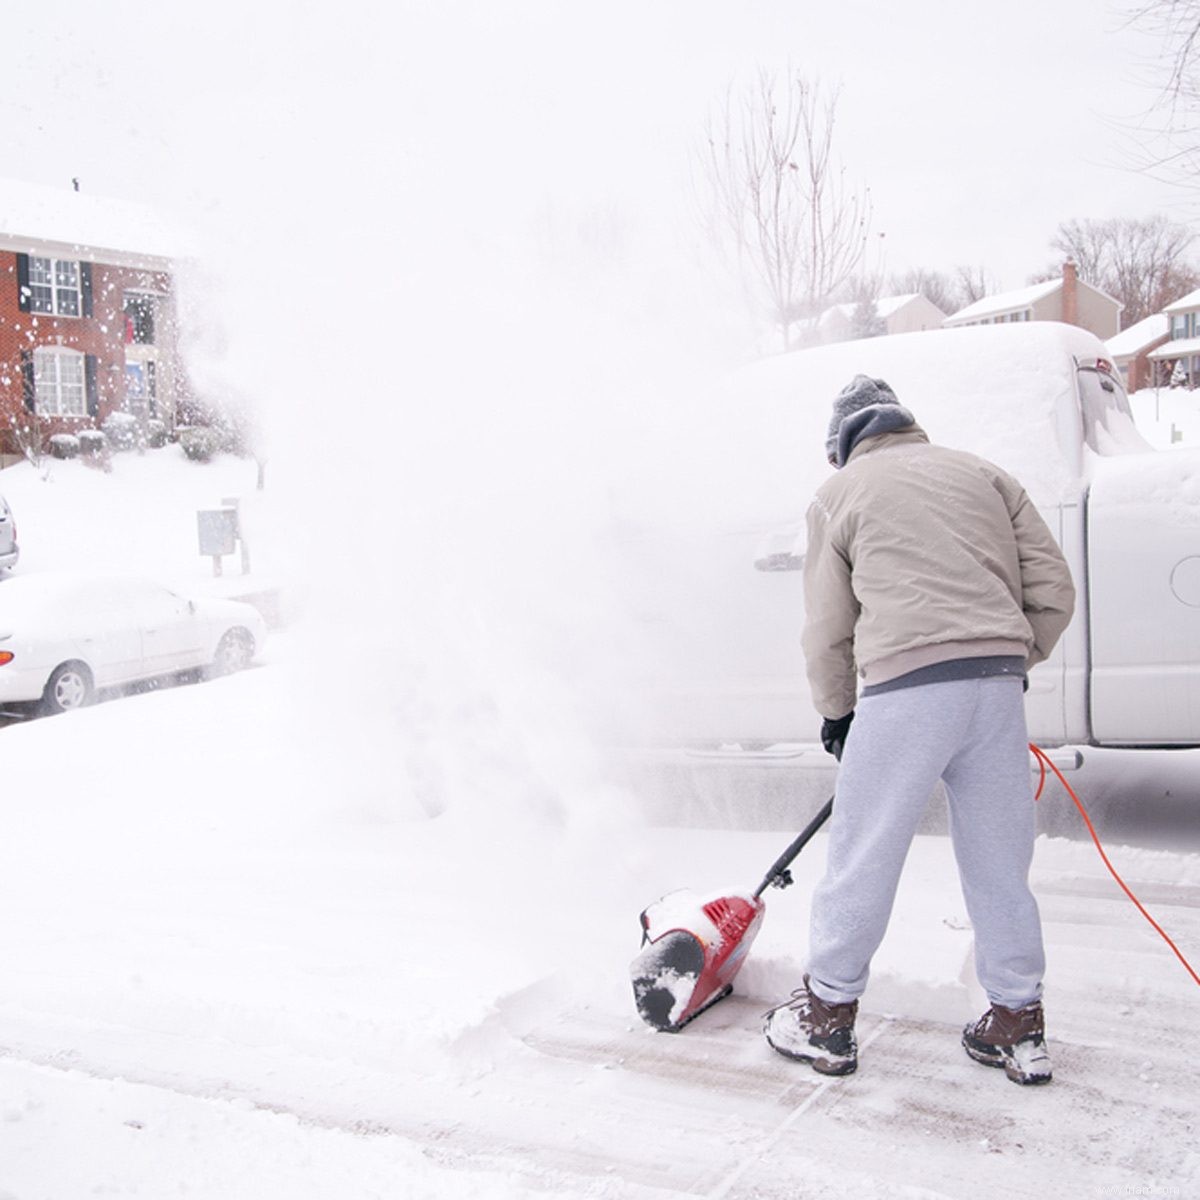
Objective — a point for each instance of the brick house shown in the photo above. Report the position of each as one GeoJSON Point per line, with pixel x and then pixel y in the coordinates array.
{"type": "Point", "coordinates": [1132, 348]}
{"type": "Point", "coordinates": [1068, 299]}
{"type": "Point", "coordinates": [87, 314]}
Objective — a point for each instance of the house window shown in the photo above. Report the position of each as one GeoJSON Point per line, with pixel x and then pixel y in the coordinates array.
{"type": "Point", "coordinates": [59, 384]}
{"type": "Point", "coordinates": [54, 286]}
{"type": "Point", "coordinates": [1183, 325]}
{"type": "Point", "coordinates": [139, 319]}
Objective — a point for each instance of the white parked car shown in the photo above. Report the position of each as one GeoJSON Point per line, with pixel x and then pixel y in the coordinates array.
{"type": "Point", "coordinates": [8, 536]}
{"type": "Point", "coordinates": [66, 636]}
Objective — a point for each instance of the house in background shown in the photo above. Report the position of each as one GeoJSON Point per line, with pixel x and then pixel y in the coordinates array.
{"type": "Point", "coordinates": [88, 323]}
{"type": "Point", "coordinates": [909, 313]}
{"type": "Point", "coordinates": [1180, 353]}
{"type": "Point", "coordinates": [1069, 299]}
{"type": "Point", "coordinates": [1130, 351]}
{"type": "Point", "coordinates": [900, 314]}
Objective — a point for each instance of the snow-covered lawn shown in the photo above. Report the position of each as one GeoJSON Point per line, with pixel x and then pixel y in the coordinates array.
{"type": "Point", "coordinates": [1168, 417]}
{"type": "Point", "coordinates": [305, 934]}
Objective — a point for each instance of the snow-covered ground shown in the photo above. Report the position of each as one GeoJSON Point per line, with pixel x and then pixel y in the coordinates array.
{"type": "Point", "coordinates": [334, 930]}
{"type": "Point", "coordinates": [1168, 417]}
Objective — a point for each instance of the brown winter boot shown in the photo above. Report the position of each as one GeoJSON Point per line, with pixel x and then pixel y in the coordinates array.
{"type": "Point", "coordinates": [808, 1029]}
{"type": "Point", "coordinates": [1012, 1038]}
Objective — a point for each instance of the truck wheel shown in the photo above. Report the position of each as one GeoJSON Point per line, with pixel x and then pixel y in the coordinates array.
{"type": "Point", "coordinates": [70, 686]}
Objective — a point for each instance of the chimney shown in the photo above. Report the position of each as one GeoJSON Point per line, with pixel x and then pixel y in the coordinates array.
{"type": "Point", "coordinates": [1070, 293]}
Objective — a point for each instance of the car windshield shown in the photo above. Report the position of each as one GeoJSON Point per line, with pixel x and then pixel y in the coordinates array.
{"type": "Point", "coordinates": [1108, 425]}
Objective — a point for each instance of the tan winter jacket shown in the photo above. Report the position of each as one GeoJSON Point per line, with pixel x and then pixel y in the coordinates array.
{"type": "Point", "coordinates": [917, 555]}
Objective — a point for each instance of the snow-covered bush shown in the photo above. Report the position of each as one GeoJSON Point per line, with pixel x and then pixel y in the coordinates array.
{"type": "Point", "coordinates": [121, 430]}
{"type": "Point", "coordinates": [233, 438]}
{"type": "Point", "coordinates": [64, 445]}
{"type": "Point", "coordinates": [156, 434]}
{"type": "Point", "coordinates": [199, 443]}
{"type": "Point", "coordinates": [94, 449]}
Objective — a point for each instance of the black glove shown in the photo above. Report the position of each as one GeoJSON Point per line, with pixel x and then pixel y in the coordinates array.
{"type": "Point", "coordinates": [833, 733]}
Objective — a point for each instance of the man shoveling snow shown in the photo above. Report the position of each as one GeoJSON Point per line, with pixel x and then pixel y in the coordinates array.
{"type": "Point", "coordinates": [930, 575]}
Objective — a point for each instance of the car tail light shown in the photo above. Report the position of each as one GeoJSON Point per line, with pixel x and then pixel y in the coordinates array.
{"type": "Point", "coordinates": [6, 656]}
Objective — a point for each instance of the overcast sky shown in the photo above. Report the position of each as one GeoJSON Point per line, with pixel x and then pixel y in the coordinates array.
{"type": "Point", "coordinates": [977, 128]}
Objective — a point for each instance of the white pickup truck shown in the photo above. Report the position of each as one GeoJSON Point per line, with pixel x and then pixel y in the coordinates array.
{"type": "Point", "coordinates": [716, 585]}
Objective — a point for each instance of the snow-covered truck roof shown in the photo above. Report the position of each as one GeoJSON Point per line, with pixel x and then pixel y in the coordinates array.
{"type": "Point", "coordinates": [1006, 392]}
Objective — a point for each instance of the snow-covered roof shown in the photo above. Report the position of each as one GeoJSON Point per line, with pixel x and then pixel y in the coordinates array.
{"type": "Point", "coordinates": [94, 227]}
{"type": "Point", "coordinates": [1191, 300]}
{"type": "Point", "coordinates": [885, 306]}
{"type": "Point", "coordinates": [1138, 337]}
{"type": "Point", "coordinates": [1004, 302]}
{"type": "Point", "coordinates": [1180, 348]}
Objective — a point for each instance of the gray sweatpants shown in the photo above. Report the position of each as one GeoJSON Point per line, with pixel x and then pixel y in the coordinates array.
{"type": "Point", "coordinates": [971, 734]}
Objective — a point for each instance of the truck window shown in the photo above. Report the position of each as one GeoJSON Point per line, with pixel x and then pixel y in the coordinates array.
{"type": "Point", "coordinates": [1108, 425]}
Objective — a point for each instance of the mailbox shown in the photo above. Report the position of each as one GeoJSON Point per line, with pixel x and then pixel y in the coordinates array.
{"type": "Point", "coordinates": [218, 528]}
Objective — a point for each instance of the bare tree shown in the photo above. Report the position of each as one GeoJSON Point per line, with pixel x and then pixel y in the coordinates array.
{"type": "Point", "coordinates": [26, 434]}
{"type": "Point", "coordinates": [776, 201]}
{"type": "Point", "coordinates": [933, 285]}
{"type": "Point", "coordinates": [973, 283]}
{"type": "Point", "coordinates": [1142, 263]}
{"type": "Point", "coordinates": [1173, 149]}
{"type": "Point", "coordinates": [949, 292]}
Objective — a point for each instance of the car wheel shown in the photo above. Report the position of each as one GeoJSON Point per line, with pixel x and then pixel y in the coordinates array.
{"type": "Point", "coordinates": [70, 686]}
{"type": "Point", "coordinates": [234, 653]}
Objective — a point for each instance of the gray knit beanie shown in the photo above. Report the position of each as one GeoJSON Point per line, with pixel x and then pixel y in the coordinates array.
{"type": "Point", "coordinates": [863, 408]}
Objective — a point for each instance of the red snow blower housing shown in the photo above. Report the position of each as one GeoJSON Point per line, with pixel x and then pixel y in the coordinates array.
{"type": "Point", "coordinates": [692, 947]}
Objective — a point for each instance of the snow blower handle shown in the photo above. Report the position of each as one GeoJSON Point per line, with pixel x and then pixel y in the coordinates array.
{"type": "Point", "coordinates": [779, 875]}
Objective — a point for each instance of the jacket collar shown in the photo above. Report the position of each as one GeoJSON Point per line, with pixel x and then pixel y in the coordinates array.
{"type": "Point", "coordinates": [911, 434]}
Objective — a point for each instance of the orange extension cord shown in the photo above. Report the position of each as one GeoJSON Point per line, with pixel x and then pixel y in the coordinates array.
{"type": "Point", "coordinates": [1043, 763]}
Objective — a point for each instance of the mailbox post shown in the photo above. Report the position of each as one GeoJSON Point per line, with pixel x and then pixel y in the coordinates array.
{"type": "Point", "coordinates": [239, 533]}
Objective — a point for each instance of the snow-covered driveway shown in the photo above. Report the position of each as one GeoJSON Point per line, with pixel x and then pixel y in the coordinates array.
{"type": "Point", "coordinates": [236, 972]}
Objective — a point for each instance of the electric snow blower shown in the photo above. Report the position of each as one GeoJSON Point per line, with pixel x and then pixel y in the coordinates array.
{"type": "Point", "coordinates": [693, 947]}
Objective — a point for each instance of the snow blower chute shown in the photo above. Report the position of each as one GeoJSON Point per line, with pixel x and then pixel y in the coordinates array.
{"type": "Point", "coordinates": [693, 947]}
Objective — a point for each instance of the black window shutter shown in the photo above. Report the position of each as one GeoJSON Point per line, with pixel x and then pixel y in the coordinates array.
{"type": "Point", "coordinates": [23, 294]}
{"type": "Point", "coordinates": [85, 288]}
{"type": "Point", "coordinates": [93, 395]}
{"type": "Point", "coordinates": [28, 391]}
